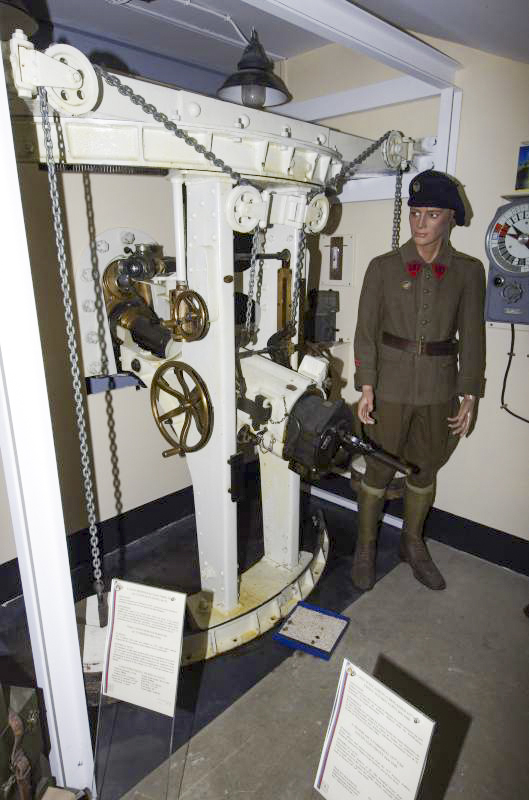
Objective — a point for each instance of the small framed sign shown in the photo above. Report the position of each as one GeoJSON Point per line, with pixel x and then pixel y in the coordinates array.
{"type": "Point", "coordinates": [522, 169]}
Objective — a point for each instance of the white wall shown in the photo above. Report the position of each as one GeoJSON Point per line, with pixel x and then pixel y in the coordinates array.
{"type": "Point", "coordinates": [119, 201]}
{"type": "Point", "coordinates": [487, 478]}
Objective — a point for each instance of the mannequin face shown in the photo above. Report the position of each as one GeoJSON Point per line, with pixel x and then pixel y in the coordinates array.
{"type": "Point", "coordinates": [430, 226]}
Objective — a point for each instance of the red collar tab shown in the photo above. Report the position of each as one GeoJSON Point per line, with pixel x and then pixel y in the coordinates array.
{"type": "Point", "coordinates": [439, 270]}
{"type": "Point", "coordinates": [414, 267]}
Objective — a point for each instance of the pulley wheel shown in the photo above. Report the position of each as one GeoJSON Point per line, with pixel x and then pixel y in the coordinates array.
{"type": "Point", "coordinates": [317, 214]}
{"type": "Point", "coordinates": [242, 208]}
{"type": "Point", "coordinates": [74, 101]}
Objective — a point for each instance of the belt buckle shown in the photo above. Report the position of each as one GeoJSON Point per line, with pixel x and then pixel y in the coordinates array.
{"type": "Point", "coordinates": [421, 346]}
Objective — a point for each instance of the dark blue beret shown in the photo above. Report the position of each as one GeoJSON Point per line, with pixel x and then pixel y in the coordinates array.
{"type": "Point", "coordinates": [436, 190]}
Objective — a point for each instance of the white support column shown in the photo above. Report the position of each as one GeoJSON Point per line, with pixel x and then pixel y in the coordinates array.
{"type": "Point", "coordinates": [448, 129]}
{"type": "Point", "coordinates": [210, 273]}
{"type": "Point", "coordinates": [280, 493]}
{"type": "Point", "coordinates": [28, 456]}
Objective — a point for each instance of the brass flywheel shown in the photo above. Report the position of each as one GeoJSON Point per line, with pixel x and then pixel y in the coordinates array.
{"type": "Point", "coordinates": [190, 318]}
{"type": "Point", "coordinates": [181, 407]}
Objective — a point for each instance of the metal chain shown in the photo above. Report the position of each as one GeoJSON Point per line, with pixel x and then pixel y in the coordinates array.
{"type": "Point", "coordinates": [164, 120]}
{"type": "Point", "coordinates": [348, 169]}
{"type": "Point", "coordinates": [397, 211]}
{"type": "Point", "coordinates": [260, 274]}
{"type": "Point", "coordinates": [297, 275]}
{"type": "Point", "coordinates": [71, 341]}
{"type": "Point", "coordinates": [251, 282]}
{"type": "Point", "coordinates": [99, 302]}
{"type": "Point", "coordinates": [148, 108]}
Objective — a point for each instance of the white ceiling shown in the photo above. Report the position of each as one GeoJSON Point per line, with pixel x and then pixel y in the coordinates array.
{"type": "Point", "coordinates": [181, 32]}
{"type": "Point", "coordinates": [496, 26]}
{"type": "Point", "coordinates": [172, 28]}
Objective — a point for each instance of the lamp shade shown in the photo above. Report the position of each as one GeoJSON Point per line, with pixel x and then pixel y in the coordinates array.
{"type": "Point", "coordinates": [254, 84]}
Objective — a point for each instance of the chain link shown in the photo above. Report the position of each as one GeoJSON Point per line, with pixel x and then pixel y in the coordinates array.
{"type": "Point", "coordinates": [349, 168]}
{"type": "Point", "coordinates": [164, 120]}
{"type": "Point", "coordinates": [300, 260]}
{"type": "Point", "coordinates": [346, 171]}
{"type": "Point", "coordinates": [260, 274]}
{"type": "Point", "coordinates": [101, 318]}
{"type": "Point", "coordinates": [397, 211]}
{"type": "Point", "coordinates": [251, 283]}
{"type": "Point", "coordinates": [71, 341]}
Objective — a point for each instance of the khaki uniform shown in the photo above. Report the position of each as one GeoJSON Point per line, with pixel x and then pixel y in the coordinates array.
{"type": "Point", "coordinates": [414, 393]}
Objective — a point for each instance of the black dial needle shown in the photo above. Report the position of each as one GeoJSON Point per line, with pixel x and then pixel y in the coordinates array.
{"type": "Point", "coordinates": [521, 236]}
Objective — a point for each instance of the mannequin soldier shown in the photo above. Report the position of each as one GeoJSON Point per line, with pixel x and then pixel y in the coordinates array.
{"type": "Point", "coordinates": [412, 370]}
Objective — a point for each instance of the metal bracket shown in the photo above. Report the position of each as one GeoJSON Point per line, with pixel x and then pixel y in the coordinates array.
{"type": "Point", "coordinates": [106, 383]}
{"type": "Point", "coordinates": [32, 69]}
{"type": "Point", "coordinates": [67, 74]}
{"type": "Point", "coordinates": [288, 209]}
{"type": "Point", "coordinates": [238, 463]}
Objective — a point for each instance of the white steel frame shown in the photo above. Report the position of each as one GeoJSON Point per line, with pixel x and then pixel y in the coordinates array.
{"type": "Point", "coordinates": [427, 73]}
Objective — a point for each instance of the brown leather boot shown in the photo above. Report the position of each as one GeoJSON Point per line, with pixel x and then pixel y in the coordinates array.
{"type": "Point", "coordinates": [417, 503]}
{"type": "Point", "coordinates": [370, 504]}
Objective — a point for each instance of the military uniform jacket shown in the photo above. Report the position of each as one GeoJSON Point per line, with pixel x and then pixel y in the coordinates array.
{"type": "Point", "coordinates": [404, 296]}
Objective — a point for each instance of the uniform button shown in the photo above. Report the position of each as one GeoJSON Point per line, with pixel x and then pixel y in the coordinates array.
{"type": "Point", "coordinates": [428, 275]}
{"type": "Point", "coordinates": [425, 306]}
{"type": "Point", "coordinates": [424, 322]}
{"type": "Point", "coordinates": [426, 291]}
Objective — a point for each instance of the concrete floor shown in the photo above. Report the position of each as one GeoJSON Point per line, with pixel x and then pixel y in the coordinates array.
{"type": "Point", "coordinates": [461, 655]}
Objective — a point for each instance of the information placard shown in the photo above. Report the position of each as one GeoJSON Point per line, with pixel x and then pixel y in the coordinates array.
{"type": "Point", "coordinates": [143, 645]}
{"type": "Point", "coordinates": [376, 744]}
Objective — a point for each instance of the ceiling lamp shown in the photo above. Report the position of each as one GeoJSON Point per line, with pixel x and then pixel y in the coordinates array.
{"type": "Point", "coordinates": [13, 15]}
{"type": "Point", "coordinates": [254, 84]}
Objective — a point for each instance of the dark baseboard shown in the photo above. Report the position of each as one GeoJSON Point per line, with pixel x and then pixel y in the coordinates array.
{"type": "Point", "coordinates": [463, 534]}
{"type": "Point", "coordinates": [471, 537]}
{"type": "Point", "coordinates": [115, 533]}
{"type": "Point", "coordinates": [118, 532]}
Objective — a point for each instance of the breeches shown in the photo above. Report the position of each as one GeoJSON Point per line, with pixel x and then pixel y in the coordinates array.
{"type": "Point", "coordinates": [417, 434]}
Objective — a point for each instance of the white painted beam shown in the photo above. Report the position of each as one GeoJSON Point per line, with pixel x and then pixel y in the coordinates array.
{"type": "Point", "coordinates": [373, 188]}
{"type": "Point", "coordinates": [454, 131]}
{"type": "Point", "coordinates": [343, 23]}
{"type": "Point", "coordinates": [362, 98]}
{"type": "Point", "coordinates": [448, 130]}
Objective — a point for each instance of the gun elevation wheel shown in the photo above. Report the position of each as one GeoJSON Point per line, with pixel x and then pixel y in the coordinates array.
{"type": "Point", "coordinates": [181, 407]}
{"type": "Point", "coordinates": [191, 315]}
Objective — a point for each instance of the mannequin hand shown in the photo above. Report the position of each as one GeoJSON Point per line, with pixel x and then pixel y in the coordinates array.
{"type": "Point", "coordinates": [460, 424]}
{"type": "Point", "coordinates": [366, 405]}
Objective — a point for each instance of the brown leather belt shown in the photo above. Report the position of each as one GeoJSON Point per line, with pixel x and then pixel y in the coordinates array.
{"type": "Point", "coordinates": [420, 347]}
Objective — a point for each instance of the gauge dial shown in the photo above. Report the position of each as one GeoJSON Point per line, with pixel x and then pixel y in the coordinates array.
{"type": "Point", "coordinates": [507, 240]}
